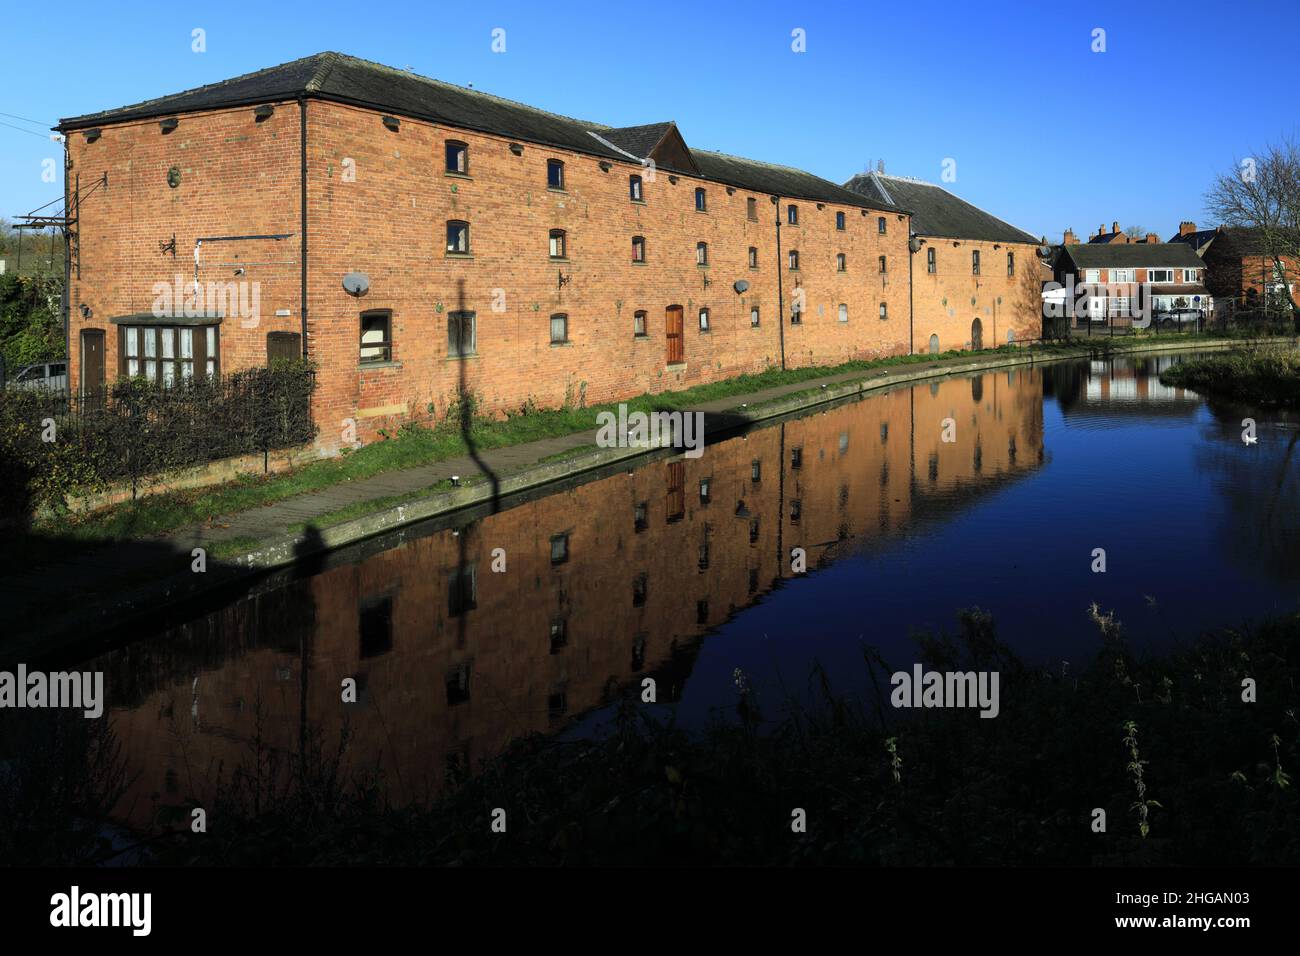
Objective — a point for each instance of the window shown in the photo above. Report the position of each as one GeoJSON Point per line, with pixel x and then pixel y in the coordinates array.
{"type": "Point", "coordinates": [934, 345]}
{"type": "Point", "coordinates": [975, 262]}
{"type": "Point", "coordinates": [1094, 276]}
{"type": "Point", "coordinates": [634, 188]}
{"type": "Point", "coordinates": [1011, 263]}
{"type": "Point", "coordinates": [375, 623]}
{"type": "Point", "coordinates": [641, 516]}
{"type": "Point", "coordinates": [704, 320]}
{"type": "Point", "coordinates": [756, 471]}
{"type": "Point", "coordinates": [844, 312]}
{"type": "Point", "coordinates": [559, 245]}
{"type": "Point", "coordinates": [751, 209]}
{"type": "Point", "coordinates": [1153, 275]}
{"type": "Point", "coordinates": [638, 323]}
{"type": "Point", "coordinates": [839, 221]}
{"type": "Point", "coordinates": [168, 354]}
{"type": "Point", "coordinates": [753, 317]}
{"type": "Point", "coordinates": [559, 328]}
{"type": "Point", "coordinates": [792, 215]}
{"type": "Point", "coordinates": [559, 548]}
{"type": "Point", "coordinates": [701, 253]}
{"type": "Point", "coordinates": [676, 481]}
{"type": "Point", "coordinates": [701, 200]}
{"type": "Point", "coordinates": [457, 158]}
{"type": "Point", "coordinates": [884, 311]}
{"type": "Point", "coordinates": [554, 174]}
{"type": "Point", "coordinates": [880, 225]}
{"type": "Point", "coordinates": [841, 262]}
{"type": "Point", "coordinates": [461, 334]}
{"type": "Point", "coordinates": [884, 265]}
{"type": "Point", "coordinates": [796, 458]}
{"type": "Point", "coordinates": [457, 684]}
{"type": "Point", "coordinates": [457, 238]}
{"type": "Point", "coordinates": [704, 490]}
{"type": "Point", "coordinates": [376, 337]}
{"type": "Point", "coordinates": [1121, 275]}
{"type": "Point", "coordinates": [639, 588]}
{"type": "Point", "coordinates": [462, 590]}
{"type": "Point", "coordinates": [792, 257]}
{"type": "Point", "coordinates": [1191, 275]}
{"type": "Point", "coordinates": [753, 257]}
{"type": "Point", "coordinates": [559, 635]}
{"type": "Point", "coordinates": [930, 265]}
{"type": "Point", "coordinates": [638, 249]}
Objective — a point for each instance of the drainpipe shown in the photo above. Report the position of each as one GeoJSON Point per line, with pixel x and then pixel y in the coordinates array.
{"type": "Point", "coordinates": [780, 287]}
{"type": "Point", "coordinates": [68, 213]}
{"type": "Point", "coordinates": [911, 295]}
{"type": "Point", "coordinates": [302, 179]}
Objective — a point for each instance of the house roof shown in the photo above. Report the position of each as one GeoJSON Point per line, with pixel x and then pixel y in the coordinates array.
{"type": "Point", "coordinates": [1247, 241]}
{"type": "Point", "coordinates": [1129, 255]}
{"type": "Point", "coordinates": [1197, 240]}
{"type": "Point", "coordinates": [935, 211]}
{"type": "Point", "coordinates": [1104, 238]}
{"type": "Point", "coordinates": [347, 79]}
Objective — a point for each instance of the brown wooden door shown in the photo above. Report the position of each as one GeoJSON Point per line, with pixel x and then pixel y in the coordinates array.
{"type": "Point", "coordinates": [283, 345]}
{"type": "Point", "coordinates": [676, 338]}
{"type": "Point", "coordinates": [92, 361]}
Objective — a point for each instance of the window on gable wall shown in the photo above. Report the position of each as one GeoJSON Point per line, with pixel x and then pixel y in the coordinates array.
{"type": "Point", "coordinates": [554, 174]}
{"type": "Point", "coordinates": [457, 158]}
{"type": "Point", "coordinates": [461, 334]}
{"type": "Point", "coordinates": [634, 188]}
{"type": "Point", "coordinates": [376, 336]}
{"type": "Point", "coordinates": [458, 237]}
{"type": "Point", "coordinates": [638, 249]}
{"type": "Point", "coordinates": [559, 245]}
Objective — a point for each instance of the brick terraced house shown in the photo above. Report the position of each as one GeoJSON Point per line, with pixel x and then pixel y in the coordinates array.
{"type": "Point", "coordinates": [421, 241]}
{"type": "Point", "coordinates": [976, 280]}
{"type": "Point", "coordinates": [1115, 281]}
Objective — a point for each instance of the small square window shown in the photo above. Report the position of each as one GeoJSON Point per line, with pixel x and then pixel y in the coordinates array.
{"type": "Point", "coordinates": [458, 238]}
{"type": "Point", "coordinates": [461, 334]}
{"type": "Point", "coordinates": [554, 174]}
{"type": "Point", "coordinates": [376, 342]}
{"type": "Point", "coordinates": [457, 158]}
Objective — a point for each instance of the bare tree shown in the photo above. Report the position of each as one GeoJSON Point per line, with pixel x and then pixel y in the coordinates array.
{"type": "Point", "coordinates": [1135, 232]}
{"type": "Point", "coordinates": [1262, 194]}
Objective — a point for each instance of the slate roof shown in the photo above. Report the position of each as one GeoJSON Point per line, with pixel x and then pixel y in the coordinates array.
{"type": "Point", "coordinates": [347, 79]}
{"type": "Point", "coordinates": [1105, 238]}
{"type": "Point", "coordinates": [937, 212]}
{"type": "Point", "coordinates": [1131, 255]}
{"type": "Point", "coordinates": [1243, 241]}
{"type": "Point", "coordinates": [1197, 240]}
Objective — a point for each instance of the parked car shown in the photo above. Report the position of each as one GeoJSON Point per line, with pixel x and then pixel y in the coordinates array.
{"type": "Point", "coordinates": [1178, 318]}
{"type": "Point", "coordinates": [49, 376]}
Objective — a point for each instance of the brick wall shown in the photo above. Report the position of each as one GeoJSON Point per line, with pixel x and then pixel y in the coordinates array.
{"type": "Point", "coordinates": [947, 301]}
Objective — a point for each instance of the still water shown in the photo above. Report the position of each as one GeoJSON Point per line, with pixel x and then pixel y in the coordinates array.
{"type": "Point", "coordinates": [681, 570]}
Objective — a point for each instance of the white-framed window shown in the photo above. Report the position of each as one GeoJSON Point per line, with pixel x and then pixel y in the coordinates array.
{"type": "Point", "coordinates": [1091, 275]}
{"type": "Point", "coordinates": [1121, 275]}
{"type": "Point", "coordinates": [1160, 275]}
{"type": "Point", "coordinates": [1119, 305]}
{"type": "Point", "coordinates": [1191, 275]}
{"type": "Point", "coordinates": [844, 312]}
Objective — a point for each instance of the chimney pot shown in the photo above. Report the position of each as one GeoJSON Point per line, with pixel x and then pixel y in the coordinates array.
{"type": "Point", "coordinates": [1116, 229]}
{"type": "Point", "coordinates": [1186, 228]}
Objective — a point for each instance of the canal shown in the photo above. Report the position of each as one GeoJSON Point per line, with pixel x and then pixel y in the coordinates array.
{"type": "Point", "coordinates": [998, 490]}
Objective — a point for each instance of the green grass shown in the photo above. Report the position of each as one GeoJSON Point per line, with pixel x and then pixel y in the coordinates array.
{"type": "Point", "coordinates": [413, 446]}
{"type": "Point", "coordinates": [1264, 376]}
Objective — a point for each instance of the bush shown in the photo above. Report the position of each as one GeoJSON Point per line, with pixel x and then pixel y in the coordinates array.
{"type": "Point", "coordinates": [52, 445]}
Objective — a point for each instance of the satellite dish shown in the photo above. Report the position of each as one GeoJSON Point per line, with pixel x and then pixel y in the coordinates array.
{"type": "Point", "coordinates": [356, 283]}
{"type": "Point", "coordinates": [741, 285]}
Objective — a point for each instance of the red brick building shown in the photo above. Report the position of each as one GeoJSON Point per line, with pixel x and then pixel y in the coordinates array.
{"type": "Point", "coordinates": [976, 280]}
{"type": "Point", "coordinates": [421, 242]}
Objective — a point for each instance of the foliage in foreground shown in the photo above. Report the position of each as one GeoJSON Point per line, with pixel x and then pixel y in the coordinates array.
{"type": "Point", "coordinates": [1186, 771]}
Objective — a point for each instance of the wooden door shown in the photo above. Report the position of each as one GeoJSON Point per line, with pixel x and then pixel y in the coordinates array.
{"type": "Point", "coordinates": [283, 345]}
{"type": "Point", "coordinates": [673, 329]}
{"type": "Point", "coordinates": [92, 361]}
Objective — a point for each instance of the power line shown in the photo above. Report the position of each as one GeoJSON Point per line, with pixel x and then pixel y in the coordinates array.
{"type": "Point", "coordinates": [26, 120]}
{"type": "Point", "coordinates": [28, 131]}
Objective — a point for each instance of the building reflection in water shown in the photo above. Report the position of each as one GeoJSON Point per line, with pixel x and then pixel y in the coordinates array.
{"type": "Point", "coordinates": [604, 583]}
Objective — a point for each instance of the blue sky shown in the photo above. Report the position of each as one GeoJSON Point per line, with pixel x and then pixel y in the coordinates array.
{"type": "Point", "coordinates": [1045, 133]}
